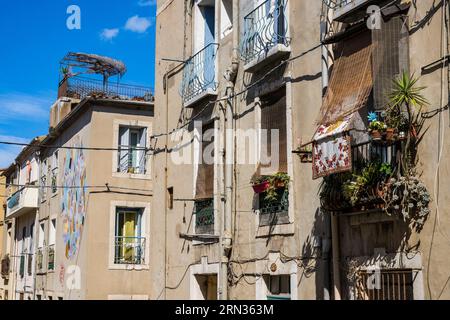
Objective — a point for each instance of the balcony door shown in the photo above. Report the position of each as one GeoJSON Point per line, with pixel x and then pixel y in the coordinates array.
{"type": "Point", "coordinates": [128, 235]}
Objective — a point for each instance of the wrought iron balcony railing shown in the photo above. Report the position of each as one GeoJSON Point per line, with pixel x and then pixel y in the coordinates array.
{"type": "Point", "coordinates": [80, 87]}
{"type": "Point", "coordinates": [51, 258]}
{"type": "Point", "coordinates": [276, 211]}
{"type": "Point", "coordinates": [6, 264]}
{"type": "Point", "coordinates": [264, 28]}
{"type": "Point", "coordinates": [129, 250]}
{"type": "Point", "coordinates": [199, 74]}
{"type": "Point", "coordinates": [204, 216]}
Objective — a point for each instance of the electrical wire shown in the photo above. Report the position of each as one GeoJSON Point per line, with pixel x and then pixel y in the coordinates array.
{"type": "Point", "coordinates": [106, 185]}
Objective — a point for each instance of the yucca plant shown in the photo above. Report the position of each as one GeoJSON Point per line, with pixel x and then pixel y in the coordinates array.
{"type": "Point", "coordinates": [406, 97]}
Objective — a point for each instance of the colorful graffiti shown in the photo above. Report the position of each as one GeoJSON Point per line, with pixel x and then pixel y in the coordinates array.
{"type": "Point", "coordinates": [73, 204]}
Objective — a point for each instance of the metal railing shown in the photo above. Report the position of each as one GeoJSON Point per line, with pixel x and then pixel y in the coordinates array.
{"type": "Point", "coordinates": [6, 265]}
{"type": "Point", "coordinates": [40, 260]}
{"type": "Point", "coordinates": [51, 257]}
{"type": "Point", "coordinates": [264, 28]}
{"type": "Point", "coordinates": [276, 211]}
{"type": "Point", "coordinates": [132, 160]}
{"type": "Point", "coordinates": [393, 285]}
{"type": "Point", "coordinates": [199, 73]}
{"type": "Point", "coordinates": [204, 216]}
{"type": "Point", "coordinates": [80, 87]}
{"type": "Point", "coordinates": [337, 4]}
{"type": "Point", "coordinates": [365, 152]}
{"type": "Point", "coordinates": [129, 250]}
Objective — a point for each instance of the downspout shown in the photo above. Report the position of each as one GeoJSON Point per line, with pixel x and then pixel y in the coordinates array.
{"type": "Point", "coordinates": [327, 219]}
{"type": "Point", "coordinates": [230, 76]}
{"type": "Point", "coordinates": [336, 260]}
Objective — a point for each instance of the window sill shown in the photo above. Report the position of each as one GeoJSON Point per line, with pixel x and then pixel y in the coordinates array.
{"type": "Point", "coordinates": [136, 176]}
{"type": "Point", "coordinates": [129, 267]}
{"type": "Point", "coordinates": [263, 59]}
{"type": "Point", "coordinates": [276, 230]}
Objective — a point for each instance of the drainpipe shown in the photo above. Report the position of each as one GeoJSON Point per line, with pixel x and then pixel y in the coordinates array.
{"type": "Point", "coordinates": [336, 260]}
{"type": "Point", "coordinates": [230, 77]}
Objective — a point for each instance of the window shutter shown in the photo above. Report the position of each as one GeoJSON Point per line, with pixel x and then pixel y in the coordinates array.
{"type": "Point", "coordinates": [124, 138]}
{"type": "Point", "coordinates": [273, 117]}
{"type": "Point", "coordinates": [142, 153]}
{"type": "Point", "coordinates": [351, 80]}
{"type": "Point", "coordinates": [205, 175]}
{"type": "Point", "coordinates": [390, 57]}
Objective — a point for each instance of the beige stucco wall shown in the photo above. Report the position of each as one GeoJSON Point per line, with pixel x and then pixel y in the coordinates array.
{"type": "Point", "coordinates": [304, 93]}
{"type": "Point", "coordinates": [95, 128]}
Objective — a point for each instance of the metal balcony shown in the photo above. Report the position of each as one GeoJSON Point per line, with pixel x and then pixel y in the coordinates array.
{"type": "Point", "coordinates": [22, 201]}
{"type": "Point", "coordinates": [350, 9]}
{"type": "Point", "coordinates": [80, 87]}
{"type": "Point", "coordinates": [265, 34]}
{"type": "Point", "coordinates": [5, 267]}
{"type": "Point", "coordinates": [129, 250]}
{"type": "Point", "coordinates": [199, 76]}
{"type": "Point", "coordinates": [204, 216]}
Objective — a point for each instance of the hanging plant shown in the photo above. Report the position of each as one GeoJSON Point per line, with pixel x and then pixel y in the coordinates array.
{"type": "Point", "coordinates": [270, 185]}
{"type": "Point", "coordinates": [409, 197]}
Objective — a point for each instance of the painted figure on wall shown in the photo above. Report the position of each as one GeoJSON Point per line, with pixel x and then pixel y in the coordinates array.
{"type": "Point", "coordinates": [73, 206]}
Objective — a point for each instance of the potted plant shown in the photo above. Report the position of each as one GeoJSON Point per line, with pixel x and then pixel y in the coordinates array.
{"type": "Point", "coordinates": [260, 184]}
{"type": "Point", "coordinates": [277, 182]}
{"type": "Point", "coordinates": [376, 129]}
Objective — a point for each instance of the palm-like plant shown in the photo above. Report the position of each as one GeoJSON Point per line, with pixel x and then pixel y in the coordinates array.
{"type": "Point", "coordinates": [407, 96]}
{"type": "Point", "coordinates": [406, 93]}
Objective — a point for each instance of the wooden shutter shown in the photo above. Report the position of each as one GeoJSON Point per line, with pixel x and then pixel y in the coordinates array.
{"type": "Point", "coordinates": [273, 117]}
{"type": "Point", "coordinates": [205, 175]}
{"type": "Point", "coordinates": [351, 79]}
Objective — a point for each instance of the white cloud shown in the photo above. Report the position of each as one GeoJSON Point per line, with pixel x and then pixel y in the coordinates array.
{"type": "Point", "coordinates": [138, 24]}
{"type": "Point", "coordinates": [109, 34]}
{"type": "Point", "coordinates": [24, 107]}
{"type": "Point", "coordinates": [8, 153]}
{"type": "Point", "coordinates": [147, 3]}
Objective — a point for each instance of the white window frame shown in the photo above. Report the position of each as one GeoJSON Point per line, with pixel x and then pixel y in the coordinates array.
{"type": "Point", "coordinates": [131, 124]}
{"type": "Point", "coordinates": [226, 21]}
{"type": "Point", "coordinates": [145, 232]}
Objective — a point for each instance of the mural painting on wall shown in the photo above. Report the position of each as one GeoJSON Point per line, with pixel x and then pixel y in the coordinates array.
{"type": "Point", "coordinates": [73, 206]}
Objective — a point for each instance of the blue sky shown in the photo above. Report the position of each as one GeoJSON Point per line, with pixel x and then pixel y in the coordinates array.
{"type": "Point", "coordinates": [34, 37]}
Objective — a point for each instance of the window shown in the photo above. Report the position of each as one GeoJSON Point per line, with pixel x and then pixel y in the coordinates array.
{"type": "Point", "coordinates": [226, 17]}
{"type": "Point", "coordinates": [278, 287]}
{"type": "Point", "coordinates": [55, 172]}
{"type": "Point", "coordinates": [43, 181]}
{"type": "Point", "coordinates": [30, 251]}
{"type": "Point", "coordinates": [273, 133]}
{"type": "Point", "coordinates": [208, 286]}
{"type": "Point", "coordinates": [22, 255]}
{"type": "Point", "coordinates": [170, 198]}
{"type": "Point", "coordinates": [41, 235]}
{"type": "Point", "coordinates": [51, 245]}
{"type": "Point", "coordinates": [204, 216]}
{"type": "Point", "coordinates": [129, 244]}
{"type": "Point", "coordinates": [39, 297]}
{"type": "Point", "coordinates": [395, 284]}
{"type": "Point", "coordinates": [204, 193]}
{"type": "Point", "coordinates": [132, 150]}
{"type": "Point", "coordinates": [204, 24]}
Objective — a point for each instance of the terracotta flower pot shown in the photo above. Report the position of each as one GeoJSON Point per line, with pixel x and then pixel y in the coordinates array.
{"type": "Point", "coordinates": [376, 135]}
{"type": "Point", "coordinates": [390, 134]}
{"type": "Point", "coordinates": [261, 187]}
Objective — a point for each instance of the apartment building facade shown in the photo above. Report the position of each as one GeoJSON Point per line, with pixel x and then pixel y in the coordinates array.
{"type": "Point", "coordinates": [225, 239]}
{"type": "Point", "coordinates": [88, 233]}
{"type": "Point", "coordinates": [94, 221]}
{"type": "Point", "coordinates": [311, 72]}
{"type": "Point", "coordinates": [22, 211]}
